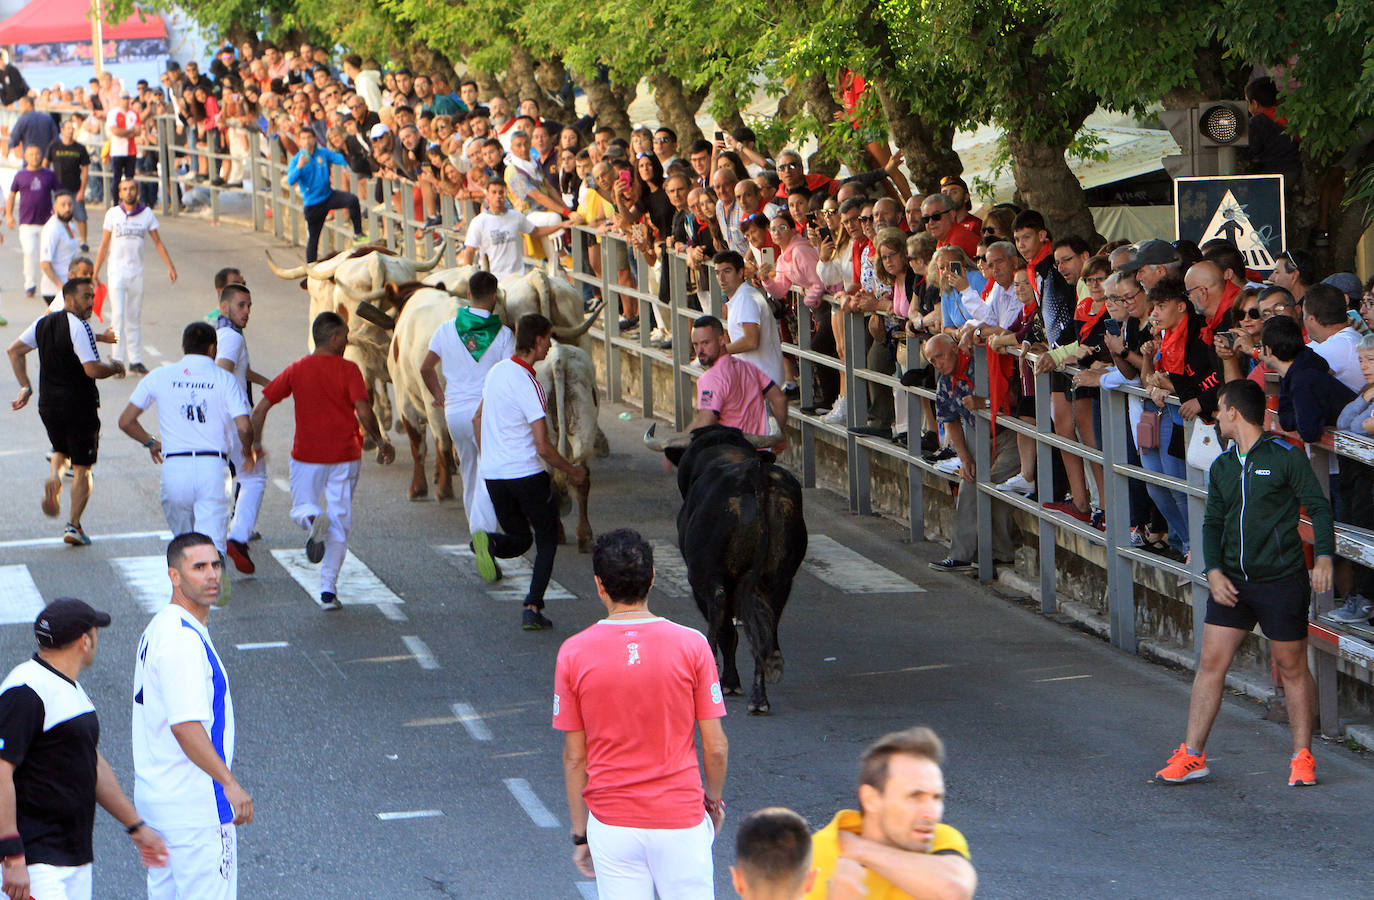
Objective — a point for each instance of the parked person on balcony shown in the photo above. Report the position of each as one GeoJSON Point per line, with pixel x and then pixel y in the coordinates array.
{"type": "Point", "coordinates": [1356, 582]}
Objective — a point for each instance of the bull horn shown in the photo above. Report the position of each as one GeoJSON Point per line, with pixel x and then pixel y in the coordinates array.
{"type": "Point", "coordinates": [368, 297]}
{"type": "Point", "coordinates": [566, 335]}
{"type": "Point", "coordinates": [296, 272]}
{"type": "Point", "coordinates": [677, 440]}
{"type": "Point", "coordinates": [433, 260]}
{"type": "Point", "coordinates": [369, 313]}
{"type": "Point", "coordinates": [314, 272]}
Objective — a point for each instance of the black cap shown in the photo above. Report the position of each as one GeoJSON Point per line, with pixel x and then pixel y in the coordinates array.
{"type": "Point", "coordinates": [1151, 253]}
{"type": "Point", "coordinates": [953, 179]}
{"type": "Point", "coordinates": [66, 619]}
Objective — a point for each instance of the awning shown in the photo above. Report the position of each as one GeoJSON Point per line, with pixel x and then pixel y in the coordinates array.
{"type": "Point", "coordinates": [62, 21]}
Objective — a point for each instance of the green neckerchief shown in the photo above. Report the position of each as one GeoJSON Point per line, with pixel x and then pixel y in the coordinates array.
{"type": "Point", "coordinates": [476, 332]}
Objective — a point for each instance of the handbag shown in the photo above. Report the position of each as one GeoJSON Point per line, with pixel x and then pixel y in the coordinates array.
{"type": "Point", "coordinates": [1147, 431]}
{"type": "Point", "coordinates": [1204, 445]}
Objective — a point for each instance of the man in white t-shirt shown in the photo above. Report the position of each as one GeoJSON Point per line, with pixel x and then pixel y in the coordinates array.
{"type": "Point", "coordinates": [58, 245]}
{"type": "Point", "coordinates": [514, 442]}
{"type": "Point", "coordinates": [1323, 315]}
{"type": "Point", "coordinates": [200, 407]}
{"type": "Point", "coordinates": [122, 124]}
{"type": "Point", "coordinates": [127, 226]}
{"type": "Point", "coordinates": [465, 350]}
{"type": "Point", "coordinates": [495, 232]}
{"type": "Point", "coordinates": [183, 735]}
{"type": "Point", "coordinates": [749, 320]}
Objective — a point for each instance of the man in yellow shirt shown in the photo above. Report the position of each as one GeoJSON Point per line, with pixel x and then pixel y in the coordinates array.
{"type": "Point", "coordinates": [894, 847]}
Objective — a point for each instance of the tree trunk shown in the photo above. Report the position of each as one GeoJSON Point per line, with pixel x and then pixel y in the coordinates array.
{"type": "Point", "coordinates": [928, 148]}
{"type": "Point", "coordinates": [820, 99]}
{"type": "Point", "coordinates": [554, 101]}
{"type": "Point", "coordinates": [1046, 183]}
{"type": "Point", "coordinates": [677, 107]}
{"type": "Point", "coordinates": [729, 118]}
{"type": "Point", "coordinates": [608, 102]}
{"type": "Point", "coordinates": [487, 84]}
{"type": "Point", "coordinates": [520, 79]}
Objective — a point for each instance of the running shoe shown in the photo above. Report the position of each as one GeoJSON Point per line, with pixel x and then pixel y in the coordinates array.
{"type": "Point", "coordinates": [950, 564]}
{"type": "Point", "coordinates": [73, 535]}
{"type": "Point", "coordinates": [238, 552]}
{"type": "Point", "coordinates": [360, 239]}
{"type": "Point", "coordinates": [1017, 484]}
{"type": "Point", "coordinates": [839, 413]}
{"type": "Point", "coordinates": [328, 601]}
{"type": "Point", "coordinates": [314, 545]}
{"type": "Point", "coordinates": [1302, 769]}
{"type": "Point", "coordinates": [138, 368]}
{"type": "Point", "coordinates": [481, 551]}
{"type": "Point", "coordinates": [52, 497]}
{"type": "Point", "coordinates": [1184, 766]}
{"type": "Point", "coordinates": [1355, 610]}
{"type": "Point", "coordinates": [533, 620]}
{"type": "Point", "coordinates": [3, 321]}
{"type": "Point", "coordinates": [1067, 508]}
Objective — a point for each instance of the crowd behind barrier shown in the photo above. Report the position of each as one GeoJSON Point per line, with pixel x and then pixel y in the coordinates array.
{"type": "Point", "coordinates": [644, 226]}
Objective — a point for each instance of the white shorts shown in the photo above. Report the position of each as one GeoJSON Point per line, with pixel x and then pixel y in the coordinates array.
{"type": "Point", "coordinates": [203, 865]}
{"type": "Point", "coordinates": [632, 863]}
{"type": "Point", "coordinates": [59, 882]}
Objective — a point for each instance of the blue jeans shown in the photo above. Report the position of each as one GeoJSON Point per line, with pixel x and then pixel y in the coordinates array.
{"type": "Point", "coordinates": [1172, 504]}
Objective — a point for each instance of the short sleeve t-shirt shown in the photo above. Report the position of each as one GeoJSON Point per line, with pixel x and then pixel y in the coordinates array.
{"type": "Point", "coordinates": [122, 119]}
{"type": "Point", "coordinates": [747, 307]}
{"type": "Point", "coordinates": [1341, 354]}
{"type": "Point", "coordinates": [67, 161]}
{"type": "Point", "coordinates": [512, 400]}
{"type": "Point", "coordinates": [499, 238]}
{"type": "Point", "coordinates": [58, 244]}
{"type": "Point", "coordinates": [178, 677]}
{"type": "Point", "coordinates": [464, 376]}
{"type": "Point", "coordinates": [637, 687]}
{"type": "Point", "coordinates": [733, 389]}
{"type": "Point", "coordinates": [49, 732]}
{"type": "Point", "coordinates": [197, 403]}
{"type": "Point", "coordinates": [230, 345]}
{"type": "Point", "coordinates": [35, 189]}
{"type": "Point", "coordinates": [128, 231]}
{"type": "Point", "coordinates": [60, 385]}
{"type": "Point", "coordinates": [326, 389]}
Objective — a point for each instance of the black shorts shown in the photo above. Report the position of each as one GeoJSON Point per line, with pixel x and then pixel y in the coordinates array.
{"type": "Point", "coordinates": [1279, 606]}
{"type": "Point", "coordinates": [73, 431]}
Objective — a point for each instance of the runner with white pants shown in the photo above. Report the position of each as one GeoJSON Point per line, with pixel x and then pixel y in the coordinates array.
{"type": "Point", "coordinates": [466, 349]}
{"type": "Point", "coordinates": [127, 226]}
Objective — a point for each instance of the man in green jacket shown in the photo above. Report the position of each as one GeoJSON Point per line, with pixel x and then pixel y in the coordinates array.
{"type": "Point", "coordinates": [1257, 573]}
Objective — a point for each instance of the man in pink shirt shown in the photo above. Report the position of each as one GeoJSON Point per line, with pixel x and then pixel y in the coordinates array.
{"type": "Point", "coordinates": [731, 391]}
{"type": "Point", "coordinates": [629, 693]}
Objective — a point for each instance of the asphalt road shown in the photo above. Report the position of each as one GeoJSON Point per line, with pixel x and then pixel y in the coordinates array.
{"type": "Point", "coordinates": [436, 705]}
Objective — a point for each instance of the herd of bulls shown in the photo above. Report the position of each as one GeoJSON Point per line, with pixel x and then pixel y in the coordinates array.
{"type": "Point", "coordinates": [740, 528]}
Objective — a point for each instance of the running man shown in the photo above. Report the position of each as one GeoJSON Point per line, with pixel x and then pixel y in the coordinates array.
{"type": "Point", "coordinates": [772, 856]}
{"type": "Point", "coordinates": [127, 225]}
{"type": "Point", "coordinates": [309, 171]}
{"type": "Point", "coordinates": [514, 441]}
{"type": "Point", "coordinates": [231, 355]}
{"type": "Point", "coordinates": [68, 401]}
{"type": "Point", "coordinates": [1257, 573]}
{"type": "Point", "coordinates": [58, 246]}
{"type": "Point", "coordinates": [331, 402]}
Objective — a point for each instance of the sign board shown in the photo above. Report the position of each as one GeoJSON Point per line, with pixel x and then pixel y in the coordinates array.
{"type": "Point", "coordinates": [1246, 210]}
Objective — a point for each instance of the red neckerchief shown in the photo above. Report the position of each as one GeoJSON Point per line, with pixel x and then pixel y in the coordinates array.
{"type": "Point", "coordinates": [1045, 250]}
{"type": "Point", "coordinates": [1084, 314]}
{"type": "Point", "coordinates": [1173, 344]}
{"type": "Point", "coordinates": [507, 127]}
{"type": "Point", "coordinates": [961, 369]}
{"type": "Point", "coordinates": [856, 253]}
{"type": "Point", "coordinates": [1228, 299]}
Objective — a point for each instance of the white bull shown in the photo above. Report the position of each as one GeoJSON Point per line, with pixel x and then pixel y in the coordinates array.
{"type": "Point", "coordinates": [569, 380]}
{"type": "Point", "coordinates": [422, 313]}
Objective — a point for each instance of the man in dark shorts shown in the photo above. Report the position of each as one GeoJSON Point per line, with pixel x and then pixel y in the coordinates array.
{"type": "Point", "coordinates": [68, 402]}
{"type": "Point", "coordinates": [1257, 572]}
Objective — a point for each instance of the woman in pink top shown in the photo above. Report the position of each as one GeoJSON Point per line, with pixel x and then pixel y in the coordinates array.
{"type": "Point", "coordinates": [795, 267]}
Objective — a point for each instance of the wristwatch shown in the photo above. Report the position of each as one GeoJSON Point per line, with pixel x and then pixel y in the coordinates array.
{"type": "Point", "coordinates": [579, 839]}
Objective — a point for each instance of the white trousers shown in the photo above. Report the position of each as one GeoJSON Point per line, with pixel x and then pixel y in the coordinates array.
{"type": "Point", "coordinates": [126, 317]}
{"type": "Point", "coordinates": [327, 488]}
{"type": "Point", "coordinates": [476, 501]}
{"type": "Point", "coordinates": [30, 238]}
{"type": "Point", "coordinates": [247, 499]}
{"type": "Point", "coordinates": [195, 496]}
{"type": "Point", "coordinates": [203, 865]}
{"type": "Point", "coordinates": [59, 882]}
{"type": "Point", "coordinates": [632, 863]}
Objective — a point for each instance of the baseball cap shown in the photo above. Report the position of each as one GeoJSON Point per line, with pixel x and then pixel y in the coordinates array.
{"type": "Point", "coordinates": [1151, 253]}
{"type": "Point", "coordinates": [1347, 283]}
{"type": "Point", "coordinates": [378, 130]}
{"type": "Point", "coordinates": [66, 619]}
{"type": "Point", "coordinates": [953, 179]}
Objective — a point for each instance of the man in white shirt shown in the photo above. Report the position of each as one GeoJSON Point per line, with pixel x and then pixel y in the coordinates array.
{"type": "Point", "coordinates": [183, 735]}
{"type": "Point", "coordinates": [127, 226]}
{"type": "Point", "coordinates": [749, 320]}
{"type": "Point", "coordinates": [1323, 315]}
{"type": "Point", "coordinates": [514, 440]}
{"type": "Point", "coordinates": [465, 350]}
{"type": "Point", "coordinates": [199, 407]}
{"type": "Point", "coordinates": [495, 232]}
{"type": "Point", "coordinates": [122, 124]}
{"type": "Point", "coordinates": [58, 245]}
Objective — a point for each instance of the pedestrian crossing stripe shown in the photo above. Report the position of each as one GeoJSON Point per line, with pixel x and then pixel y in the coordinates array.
{"type": "Point", "coordinates": [670, 572]}
{"type": "Point", "coordinates": [20, 599]}
{"type": "Point", "coordinates": [357, 584]}
{"type": "Point", "coordinates": [849, 571]}
{"type": "Point", "coordinates": [146, 578]}
{"type": "Point", "coordinates": [515, 575]}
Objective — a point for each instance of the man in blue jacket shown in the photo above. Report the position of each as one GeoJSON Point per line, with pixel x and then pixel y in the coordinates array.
{"type": "Point", "coordinates": [309, 169]}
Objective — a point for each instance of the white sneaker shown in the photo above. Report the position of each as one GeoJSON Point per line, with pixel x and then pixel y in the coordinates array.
{"type": "Point", "coordinates": [1017, 484]}
{"type": "Point", "coordinates": [656, 335]}
{"type": "Point", "coordinates": [839, 413]}
{"type": "Point", "coordinates": [949, 466]}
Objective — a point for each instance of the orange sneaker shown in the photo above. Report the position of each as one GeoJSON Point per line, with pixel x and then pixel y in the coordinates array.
{"type": "Point", "coordinates": [1184, 766]}
{"type": "Point", "coordinates": [1302, 771]}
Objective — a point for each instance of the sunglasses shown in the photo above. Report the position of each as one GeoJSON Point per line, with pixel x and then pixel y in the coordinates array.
{"type": "Point", "coordinates": [990, 232]}
{"type": "Point", "coordinates": [789, 166]}
{"type": "Point", "coordinates": [1273, 310]}
{"type": "Point", "coordinates": [980, 259]}
{"type": "Point", "coordinates": [1251, 313]}
{"type": "Point", "coordinates": [933, 217]}
{"type": "Point", "coordinates": [662, 140]}
{"type": "Point", "coordinates": [865, 218]}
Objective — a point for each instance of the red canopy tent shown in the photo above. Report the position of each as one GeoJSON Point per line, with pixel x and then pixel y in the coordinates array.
{"type": "Point", "coordinates": [63, 21]}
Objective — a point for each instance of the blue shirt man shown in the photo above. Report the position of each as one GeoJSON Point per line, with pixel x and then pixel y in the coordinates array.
{"type": "Point", "coordinates": [309, 170]}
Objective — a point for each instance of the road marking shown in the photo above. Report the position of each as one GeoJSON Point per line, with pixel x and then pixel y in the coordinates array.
{"type": "Point", "coordinates": [851, 572]}
{"type": "Point", "coordinates": [153, 351]}
{"type": "Point", "coordinates": [1061, 678]}
{"type": "Point", "coordinates": [472, 721]}
{"type": "Point", "coordinates": [424, 723]}
{"type": "Point", "coordinates": [99, 538]}
{"type": "Point", "coordinates": [670, 572]}
{"type": "Point", "coordinates": [421, 651]}
{"type": "Point", "coordinates": [392, 612]}
{"type": "Point", "coordinates": [282, 484]}
{"type": "Point", "coordinates": [534, 808]}
{"type": "Point", "coordinates": [410, 814]}
{"type": "Point", "coordinates": [20, 599]}
{"type": "Point", "coordinates": [587, 889]}
{"type": "Point", "coordinates": [357, 585]}
{"type": "Point", "coordinates": [263, 645]}
{"type": "Point", "coordinates": [21, 451]}
{"type": "Point", "coordinates": [146, 578]}
{"type": "Point", "coordinates": [929, 668]}
{"type": "Point", "coordinates": [516, 574]}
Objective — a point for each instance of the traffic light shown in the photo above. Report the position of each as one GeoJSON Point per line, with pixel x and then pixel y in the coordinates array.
{"type": "Point", "coordinates": [1208, 134]}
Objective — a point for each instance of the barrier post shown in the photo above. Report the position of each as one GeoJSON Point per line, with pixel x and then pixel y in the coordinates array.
{"type": "Point", "coordinates": [164, 167]}
{"type": "Point", "coordinates": [255, 184]}
{"type": "Point", "coordinates": [806, 381]}
{"type": "Point", "coordinates": [681, 330]}
{"type": "Point", "coordinates": [407, 241]}
{"type": "Point", "coordinates": [448, 218]}
{"type": "Point", "coordinates": [646, 308]}
{"type": "Point", "coordinates": [1116, 504]}
{"type": "Point", "coordinates": [860, 481]}
{"type": "Point", "coordinates": [982, 471]}
{"type": "Point", "coordinates": [274, 175]}
{"type": "Point", "coordinates": [1044, 482]}
{"type": "Point", "coordinates": [611, 311]}
{"type": "Point", "coordinates": [1197, 507]}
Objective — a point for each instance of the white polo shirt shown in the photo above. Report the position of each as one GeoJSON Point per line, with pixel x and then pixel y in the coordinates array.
{"type": "Point", "coordinates": [1341, 352]}
{"type": "Point", "coordinates": [58, 244]}
{"type": "Point", "coordinates": [499, 237]}
{"type": "Point", "coordinates": [128, 231]}
{"type": "Point", "coordinates": [197, 403]}
{"type": "Point", "coordinates": [463, 375]}
{"type": "Point", "coordinates": [747, 306]}
{"type": "Point", "coordinates": [512, 400]}
{"type": "Point", "coordinates": [178, 677]}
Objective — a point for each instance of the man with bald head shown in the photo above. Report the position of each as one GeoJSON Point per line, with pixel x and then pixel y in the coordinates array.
{"type": "Point", "coordinates": [937, 212]}
{"type": "Point", "coordinates": [749, 197]}
{"type": "Point", "coordinates": [1211, 295]}
{"type": "Point", "coordinates": [728, 209]}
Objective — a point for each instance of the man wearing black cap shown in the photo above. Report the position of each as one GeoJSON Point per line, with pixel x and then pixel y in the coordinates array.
{"type": "Point", "coordinates": [1154, 261]}
{"type": "Point", "coordinates": [51, 774]}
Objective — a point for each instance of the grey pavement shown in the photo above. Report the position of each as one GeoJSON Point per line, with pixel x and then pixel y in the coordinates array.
{"type": "Point", "coordinates": [1052, 735]}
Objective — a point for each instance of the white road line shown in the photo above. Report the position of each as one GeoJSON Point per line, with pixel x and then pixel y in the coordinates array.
{"type": "Point", "coordinates": [392, 612]}
{"type": "Point", "coordinates": [153, 351]}
{"type": "Point", "coordinates": [20, 599]}
{"type": "Point", "coordinates": [421, 650]}
{"type": "Point", "coordinates": [1061, 678]}
{"type": "Point", "coordinates": [282, 484]}
{"type": "Point", "coordinates": [851, 572]}
{"type": "Point", "coordinates": [263, 645]}
{"type": "Point", "coordinates": [516, 574]}
{"type": "Point", "coordinates": [96, 538]}
{"type": "Point", "coordinates": [587, 889]}
{"type": "Point", "coordinates": [146, 578]}
{"type": "Point", "coordinates": [472, 721]}
{"type": "Point", "coordinates": [410, 814]}
{"type": "Point", "coordinates": [534, 808]}
{"type": "Point", "coordinates": [670, 572]}
{"type": "Point", "coordinates": [357, 585]}
{"type": "Point", "coordinates": [930, 668]}
{"type": "Point", "coordinates": [21, 451]}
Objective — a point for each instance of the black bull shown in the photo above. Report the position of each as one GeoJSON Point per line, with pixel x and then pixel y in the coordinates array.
{"type": "Point", "coordinates": [742, 536]}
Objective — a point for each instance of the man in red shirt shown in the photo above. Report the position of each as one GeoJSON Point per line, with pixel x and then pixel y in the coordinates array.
{"type": "Point", "coordinates": [331, 400]}
{"type": "Point", "coordinates": [937, 212]}
{"type": "Point", "coordinates": [954, 187]}
{"type": "Point", "coordinates": [629, 692]}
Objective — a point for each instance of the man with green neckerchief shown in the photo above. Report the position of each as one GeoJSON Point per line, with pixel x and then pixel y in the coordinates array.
{"type": "Point", "coordinates": [467, 348]}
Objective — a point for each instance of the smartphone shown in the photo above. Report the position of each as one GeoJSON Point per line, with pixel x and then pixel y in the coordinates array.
{"type": "Point", "coordinates": [767, 256]}
{"type": "Point", "coordinates": [720, 136]}
{"type": "Point", "coordinates": [1114, 327]}
{"type": "Point", "coordinates": [825, 233]}
{"type": "Point", "coordinates": [811, 219]}
{"type": "Point", "coordinates": [956, 268]}
{"type": "Point", "coordinates": [626, 178]}
{"type": "Point", "coordinates": [1228, 338]}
